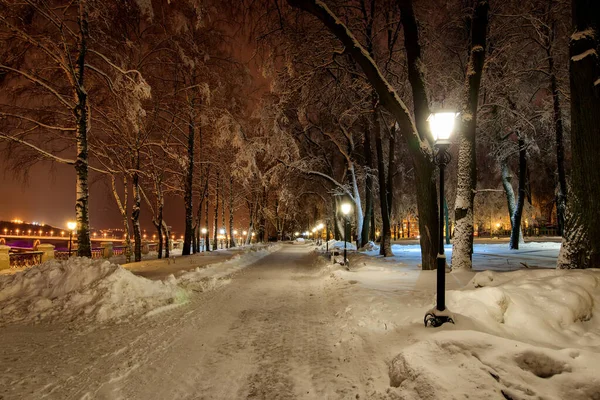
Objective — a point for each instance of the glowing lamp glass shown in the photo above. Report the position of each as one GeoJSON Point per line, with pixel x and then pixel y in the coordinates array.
{"type": "Point", "coordinates": [222, 231]}
{"type": "Point", "coordinates": [346, 208]}
{"type": "Point", "coordinates": [204, 230]}
{"type": "Point", "coordinates": [71, 225]}
{"type": "Point", "coordinates": [442, 125]}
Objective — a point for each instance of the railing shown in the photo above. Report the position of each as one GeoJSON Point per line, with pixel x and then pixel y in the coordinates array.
{"type": "Point", "coordinates": [25, 259]}
{"type": "Point", "coordinates": [61, 255]}
{"type": "Point", "coordinates": [98, 253]}
{"type": "Point", "coordinates": [64, 255]}
{"type": "Point", "coordinates": [118, 251]}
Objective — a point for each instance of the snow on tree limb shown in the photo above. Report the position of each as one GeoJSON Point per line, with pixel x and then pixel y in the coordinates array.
{"type": "Point", "coordinates": [387, 94]}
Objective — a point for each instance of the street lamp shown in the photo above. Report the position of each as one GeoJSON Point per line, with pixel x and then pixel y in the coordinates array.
{"type": "Point", "coordinates": [71, 225]}
{"type": "Point", "coordinates": [320, 229]}
{"type": "Point", "coordinates": [205, 235]}
{"type": "Point", "coordinates": [222, 232]}
{"type": "Point", "coordinates": [442, 127]}
{"type": "Point", "coordinates": [346, 208]}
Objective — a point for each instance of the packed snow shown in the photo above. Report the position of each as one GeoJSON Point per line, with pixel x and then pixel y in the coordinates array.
{"type": "Point", "coordinates": [81, 288]}
{"type": "Point", "coordinates": [296, 325]}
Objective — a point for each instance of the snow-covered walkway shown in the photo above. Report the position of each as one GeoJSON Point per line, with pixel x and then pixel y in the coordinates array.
{"type": "Point", "coordinates": [292, 326]}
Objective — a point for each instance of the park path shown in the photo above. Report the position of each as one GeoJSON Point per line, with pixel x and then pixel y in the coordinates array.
{"type": "Point", "coordinates": [272, 333]}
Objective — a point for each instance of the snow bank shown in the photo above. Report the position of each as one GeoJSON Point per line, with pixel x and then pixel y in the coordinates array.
{"type": "Point", "coordinates": [370, 246]}
{"type": "Point", "coordinates": [80, 288]}
{"type": "Point", "coordinates": [339, 245]}
{"type": "Point", "coordinates": [299, 241]}
{"type": "Point", "coordinates": [468, 364]}
{"type": "Point", "coordinates": [552, 307]}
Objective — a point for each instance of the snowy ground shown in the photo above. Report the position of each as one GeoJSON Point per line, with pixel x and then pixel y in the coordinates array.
{"type": "Point", "coordinates": [293, 325]}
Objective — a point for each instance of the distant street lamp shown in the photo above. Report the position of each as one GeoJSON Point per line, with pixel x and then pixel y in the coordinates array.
{"type": "Point", "coordinates": [71, 225]}
{"type": "Point", "coordinates": [205, 235]}
{"type": "Point", "coordinates": [222, 232]}
{"type": "Point", "coordinates": [346, 208]}
{"type": "Point", "coordinates": [320, 230]}
{"type": "Point", "coordinates": [314, 230]}
{"type": "Point", "coordinates": [442, 127]}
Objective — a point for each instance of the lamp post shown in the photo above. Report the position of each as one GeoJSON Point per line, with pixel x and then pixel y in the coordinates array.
{"type": "Point", "coordinates": [346, 208]}
{"type": "Point", "coordinates": [71, 225]}
{"type": "Point", "coordinates": [320, 229]}
{"type": "Point", "coordinates": [204, 237]}
{"type": "Point", "coordinates": [222, 232]}
{"type": "Point", "coordinates": [442, 126]}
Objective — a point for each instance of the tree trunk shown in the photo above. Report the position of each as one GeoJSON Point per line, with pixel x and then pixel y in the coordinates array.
{"type": "Point", "coordinates": [166, 234]}
{"type": "Point", "coordinates": [584, 74]}
{"type": "Point", "coordinates": [82, 117]}
{"type": "Point", "coordinates": [357, 202]}
{"type": "Point", "coordinates": [225, 241]}
{"type": "Point", "coordinates": [189, 185]}
{"type": "Point", "coordinates": [231, 235]}
{"type": "Point", "coordinates": [561, 200]}
{"type": "Point", "coordinates": [515, 233]}
{"type": "Point", "coordinates": [122, 205]}
{"type": "Point", "coordinates": [385, 247]}
{"type": "Point", "coordinates": [207, 235]}
{"type": "Point", "coordinates": [135, 216]}
{"type": "Point", "coordinates": [216, 216]}
{"type": "Point", "coordinates": [462, 252]}
{"type": "Point", "coordinates": [368, 189]}
{"type": "Point", "coordinates": [509, 192]}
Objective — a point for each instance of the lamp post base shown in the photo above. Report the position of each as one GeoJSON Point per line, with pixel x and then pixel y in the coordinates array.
{"type": "Point", "coordinates": [436, 318]}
